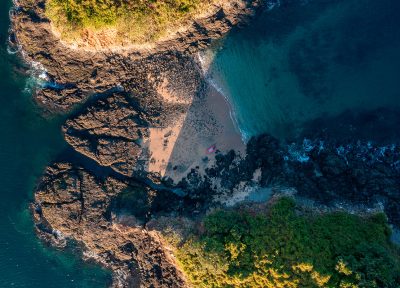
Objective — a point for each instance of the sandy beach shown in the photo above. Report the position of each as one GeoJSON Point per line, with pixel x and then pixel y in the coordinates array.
{"type": "Point", "coordinates": [175, 150]}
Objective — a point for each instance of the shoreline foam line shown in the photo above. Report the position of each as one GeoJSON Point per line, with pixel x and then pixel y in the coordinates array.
{"type": "Point", "coordinates": [205, 64]}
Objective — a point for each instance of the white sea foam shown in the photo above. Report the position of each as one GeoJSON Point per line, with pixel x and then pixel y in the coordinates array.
{"type": "Point", "coordinates": [367, 152]}
{"type": "Point", "coordinates": [38, 77]}
{"type": "Point", "coordinates": [11, 51]}
{"type": "Point", "coordinates": [12, 48]}
{"type": "Point", "coordinates": [271, 4]}
{"type": "Point", "coordinates": [232, 111]}
{"type": "Point", "coordinates": [206, 58]}
{"type": "Point", "coordinates": [39, 71]}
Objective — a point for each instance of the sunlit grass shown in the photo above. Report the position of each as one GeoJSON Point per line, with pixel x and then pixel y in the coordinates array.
{"type": "Point", "coordinates": [133, 21]}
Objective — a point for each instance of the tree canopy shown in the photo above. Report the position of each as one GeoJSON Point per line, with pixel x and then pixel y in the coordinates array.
{"type": "Point", "coordinates": [282, 248]}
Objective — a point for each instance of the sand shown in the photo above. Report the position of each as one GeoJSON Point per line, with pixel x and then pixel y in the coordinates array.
{"type": "Point", "coordinates": [175, 150]}
{"type": "Point", "coordinates": [161, 145]}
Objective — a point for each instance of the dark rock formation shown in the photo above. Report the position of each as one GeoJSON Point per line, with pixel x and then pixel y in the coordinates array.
{"type": "Point", "coordinates": [126, 93]}
{"type": "Point", "coordinates": [74, 74]}
{"type": "Point", "coordinates": [109, 132]}
{"type": "Point", "coordinates": [358, 173]}
{"type": "Point", "coordinates": [327, 171]}
{"type": "Point", "coordinates": [72, 204]}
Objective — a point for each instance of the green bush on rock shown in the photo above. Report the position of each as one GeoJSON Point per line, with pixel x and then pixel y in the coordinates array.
{"type": "Point", "coordinates": [283, 248]}
{"type": "Point", "coordinates": [138, 20]}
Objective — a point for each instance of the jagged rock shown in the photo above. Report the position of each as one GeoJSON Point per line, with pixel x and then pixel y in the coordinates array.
{"type": "Point", "coordinates": [72, 204]}
{"type": "Point", "coordinates": [73, 74]}
{"type": "Point", "coordinates": [109, 132]}
{"type": "Point", "coordinates": [328, 176]}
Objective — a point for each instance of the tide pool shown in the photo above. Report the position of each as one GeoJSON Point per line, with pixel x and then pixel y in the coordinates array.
{"type": "Point", "coordinates": [309, 65]}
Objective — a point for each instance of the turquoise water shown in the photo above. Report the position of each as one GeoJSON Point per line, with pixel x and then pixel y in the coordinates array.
{"type": "Point", "coordinates": [27, 144]}
{"type": "Point", "coordinates": [316, 59]}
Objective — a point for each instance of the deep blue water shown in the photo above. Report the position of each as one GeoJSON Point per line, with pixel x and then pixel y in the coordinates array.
{"type": "Point", "coordinates": [312, 67]}
{"type": "Point", "coordinates": [28, 142]}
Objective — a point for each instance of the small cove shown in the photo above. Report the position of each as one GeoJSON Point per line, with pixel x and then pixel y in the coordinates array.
{"type": "Point", "coordinates": [305, 69]}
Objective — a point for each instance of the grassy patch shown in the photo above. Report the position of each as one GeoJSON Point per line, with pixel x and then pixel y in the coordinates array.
{"type": "Point", "coordinates": [285, 249]}
{"type": "Point", "coordinates": [138, 21]}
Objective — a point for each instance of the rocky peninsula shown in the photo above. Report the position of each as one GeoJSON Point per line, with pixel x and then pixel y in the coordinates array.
{"type": "Point", "coordinates": [127, 108]}
{"type": "Point", "coordinates": [139, 122]}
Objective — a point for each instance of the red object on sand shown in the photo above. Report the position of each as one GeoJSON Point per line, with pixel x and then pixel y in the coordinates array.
{"type": "Point", "coordinates": [211, 149]}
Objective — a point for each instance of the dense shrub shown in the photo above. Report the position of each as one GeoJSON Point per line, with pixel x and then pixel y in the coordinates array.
{"type": "Point", "coordinates": [285, 249]}
{"type": "Point", "coordinates": [139, 19]}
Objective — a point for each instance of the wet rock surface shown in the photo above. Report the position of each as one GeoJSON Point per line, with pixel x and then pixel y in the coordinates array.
{"type": "Point", "coordinates": [324, 170]}
{"type": "Point", "coordinates": [115, 220]}
{"type": "Point", "coordinates": [113, 98]}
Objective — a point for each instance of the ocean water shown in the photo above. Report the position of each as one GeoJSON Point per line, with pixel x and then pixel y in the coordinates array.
{"type": "Point", "coordinates": [306, 68]}
{"type": "Point", "coordinates": [28, 142]}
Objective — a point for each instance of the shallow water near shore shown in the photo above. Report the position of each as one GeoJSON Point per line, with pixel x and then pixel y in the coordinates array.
{"type": "Point", "coordinates": [316, 67]}
{"type": "Point", "coordinates": [28, 143]}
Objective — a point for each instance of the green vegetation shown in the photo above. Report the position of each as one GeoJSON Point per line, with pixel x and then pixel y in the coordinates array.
{"type": "Point", "coordinates": [283, 248]}
{"type": "Point", "coordinates": [136, 20]}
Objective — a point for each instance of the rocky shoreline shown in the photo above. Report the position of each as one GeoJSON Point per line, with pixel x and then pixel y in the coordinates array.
{"type": "Point", "coordinates": [107, 199]}
{"type": "Point", "coordinates": [73, 204]}
{"type": "Point", "coordinates": [73, 75]}
{"type": "Point", "coordinates": [114, 99]}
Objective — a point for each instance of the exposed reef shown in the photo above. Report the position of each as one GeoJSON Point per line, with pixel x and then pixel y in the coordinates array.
{"type": "Point", "coordinates": [71, 203]}
{"type": "Point", "coordinates": [330, 173]}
